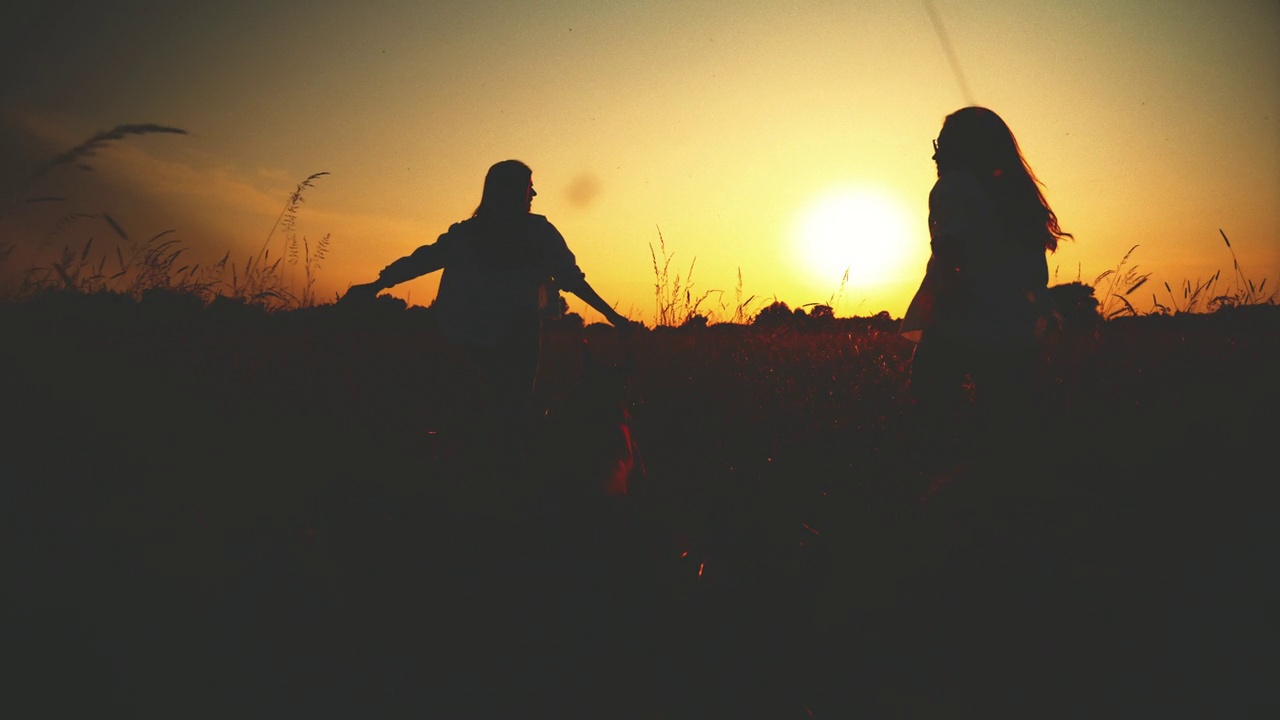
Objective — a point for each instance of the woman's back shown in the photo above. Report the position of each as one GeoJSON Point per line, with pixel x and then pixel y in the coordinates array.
{"type": "Point", "coordinates": [998, 275]}
{"type": "Point", "coordinates": [496, 275]}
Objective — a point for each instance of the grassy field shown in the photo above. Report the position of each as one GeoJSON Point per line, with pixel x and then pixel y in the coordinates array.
{"type": "Point", "coordinates": [212, 510]}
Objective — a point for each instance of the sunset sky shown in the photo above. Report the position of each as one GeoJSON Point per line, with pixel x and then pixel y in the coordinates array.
{"type": "Point", "coordinates": [726, 126]}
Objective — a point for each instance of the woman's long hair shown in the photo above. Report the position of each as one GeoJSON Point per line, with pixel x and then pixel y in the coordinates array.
{"type": "Point", "coordinates": [502, 216]}
{"type": "Point", "coordinates": [506, 189]}
{"type": "Point", "coordinates": [978, 140]}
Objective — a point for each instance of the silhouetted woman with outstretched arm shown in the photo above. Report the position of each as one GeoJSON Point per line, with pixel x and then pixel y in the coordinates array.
{"type": "Point", "coordinates": [985, 287]}
{"type": "Point", "coordinates": [499, 267]}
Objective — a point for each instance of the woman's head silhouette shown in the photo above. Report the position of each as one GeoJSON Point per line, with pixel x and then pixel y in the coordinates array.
{"type": "Point", "coordinates": [508, 189]}
{"type": "Point", "coordinates": [977, 140]}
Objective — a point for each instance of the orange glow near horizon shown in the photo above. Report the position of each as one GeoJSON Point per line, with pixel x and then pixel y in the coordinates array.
{"type": "Point", "coordinates": [1151, 124]}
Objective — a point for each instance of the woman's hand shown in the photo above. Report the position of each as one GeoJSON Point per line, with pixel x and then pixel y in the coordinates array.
{"type": "Point", "coordinates": [362, 293]}
{"type": "Point", "coordinates": [626, 326]}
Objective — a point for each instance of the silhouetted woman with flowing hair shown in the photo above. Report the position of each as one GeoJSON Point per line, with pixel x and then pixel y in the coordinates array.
{"type": "Point", "coordinates": [501, 267]}
{"type": "Point", "coordinates": [977, 311]}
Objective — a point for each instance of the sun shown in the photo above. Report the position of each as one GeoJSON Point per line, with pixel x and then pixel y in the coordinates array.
{"type": "Point", "coordinates": [860, 229]}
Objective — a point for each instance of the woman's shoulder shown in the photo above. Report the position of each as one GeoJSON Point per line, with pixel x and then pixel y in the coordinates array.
{"type": "Point", "coordinates": [459, 230]}
{"type": "Point", "coordinates": [544, 229]}
{"type": "Point", "coordinates": [958, 183]}
{"type": "Point", "coordinates": [540, 222]}
{"type": "Point", "coordinates": [958, 193]}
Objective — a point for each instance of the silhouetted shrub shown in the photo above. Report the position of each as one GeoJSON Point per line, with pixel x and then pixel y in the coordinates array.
{"type": "Point", "coordinates": [694, 322]}
{"type": "Point", "coordinates": [1076, 303]}
{"type": "Point", "coordinates": [173, 304]}
{"type": "Point", "coordinates": [568, 321]}
{"type": "Point", "coordinates": [776, 314]}
{"type": "Point", "coordinates": [231, 310]}
{"type": "Point", "coordinates": [822, 313]}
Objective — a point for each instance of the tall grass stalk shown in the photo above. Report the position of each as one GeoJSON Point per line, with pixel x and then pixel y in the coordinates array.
{"type": "Point", "coordinates": [1245, 292]}
{"type": "Point", "coordinates": [289, 215]}
{"type": "Point", "coordinates": [79, 157]}
{"type": "Point", "coordinates": [1195, 298]}
{"type": "Point", "coordinates": [310, 264]}
{"type": "Point", "coordinates": [676, 303]}
{"type": "Point", "coordinates": [79, 154]}
{"type": "Point", "coordinates": [741, 308]}
{"type": "Point", "coordinates": [1191, 297]}
{"type": "Point", "coordinates": [837, 297]}
{"type": "Point", "coordinates": [1125, 281]}
{"type": "Point", "coordinates": [151, 265]}
{"type": "Point", "coordinates": [158, 263]}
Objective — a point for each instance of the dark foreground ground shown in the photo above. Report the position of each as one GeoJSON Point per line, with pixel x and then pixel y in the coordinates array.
{"type": "Point", "coordinates": [236, 516]}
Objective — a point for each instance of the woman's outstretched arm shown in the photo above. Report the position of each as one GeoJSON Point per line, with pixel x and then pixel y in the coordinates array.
{"type": "Point", "coordinates": [426, 259]}
{"type": "Point", "coordinates": [588, 294]}
{"type": "Point", "coordinates": [570, 278]}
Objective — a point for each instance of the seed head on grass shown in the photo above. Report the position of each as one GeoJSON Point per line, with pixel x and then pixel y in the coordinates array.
{"type": "Point", "coordinates": [288, 216]}
{"type": "Point", "coordinates": [1124, 281]}
{"type": "Point", "coordinates": [1244, 292]}
{"type": "Point", "coordinates": [89, 148]}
